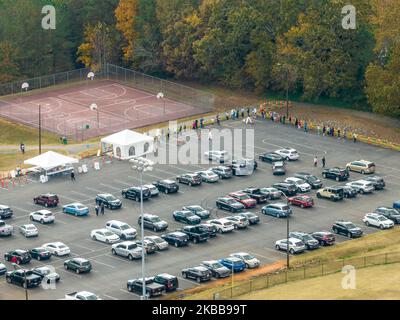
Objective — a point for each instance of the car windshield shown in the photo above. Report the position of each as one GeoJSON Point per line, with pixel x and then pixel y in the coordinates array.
{"type": "Point", "coordinates": [62, 246]}
{"type": "Point", "coordinates": [108, 234]}
{"type": "Point", "coordinates": [30, 228]}
{"type": "Point", "coordinates": [53, 198]}
{"type": "Point", "coordinates": [85, 263]}
{"type": "Point", "coordinates": [196, 208]}
{"type": "Point", "coordinates": [91, 297]}
{"type": "Point", "coordinates": [230, 201]}
{"type": "Point", "coordinates": [80, 207]}
{"type": "Point", "coordinates": [243, 197]}
{"type": "Point", "coordinates": [155, 219]}
{"type": "Point", "coordinates": [312, 178]}
{"type": "Point", "coordinates": [132, 246]}
{"type": "Point", "coordinates": [247, 257]}
{"type": "Point", "coordinates": [125, 227]}
{"type": "Point", "coordinates": [110, 198]}
{"type": "Point", "coordinates": [351, 225]}
{"type": "Point", "coordinates": [227, 223]}
{"type": "Point", "coordinates": [307, 237]}
{"type": "Point", "coordinates": [380, 218]}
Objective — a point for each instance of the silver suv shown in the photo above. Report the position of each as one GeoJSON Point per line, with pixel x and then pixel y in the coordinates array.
{"type": "Point", "coordinates": [127, 249]}
{"type": "Point", "coordinates": [121, 229]}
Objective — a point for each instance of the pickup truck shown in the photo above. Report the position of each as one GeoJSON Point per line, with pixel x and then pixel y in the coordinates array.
{"type": "Point", "coordinates": [256, 194]}
{"type": "Point", "coordinates": [152, 288]}
{"type": "Point", "coordinates": [195, 233]}
{"type": "Point", "coordinates": [81, 295]}
{"type": "Point", "coordinates": [5, 229]}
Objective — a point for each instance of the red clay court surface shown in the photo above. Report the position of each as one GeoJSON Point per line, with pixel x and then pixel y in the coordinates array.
{"type": "Point", "coordinates": [66, 111]}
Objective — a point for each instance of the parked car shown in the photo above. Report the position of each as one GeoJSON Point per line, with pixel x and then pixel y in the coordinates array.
{"type": "Point", "coordinates": [135, 193]}
{"type": "Point", "coordinates": [149, 245]}
{"type": "Point", "coordinates": [79, 265]}
{"type": "Point", "coordinates": [186, 217]}
{"type": "Point", "coordinates": [361, 186]}
{"type": "Point", "coordinates": [309, 241]}
{"type": "Point", "coordinates": [239, 222]}
{"type": "Point", "coordinates": [57, 248]}
{"type": "Point", "coordinates": [300, 184]}
{"type": "Point", "coordinates": [29, 230]}
{"type": "Point", "coordinates": [160, 243]}
{"type": "Point", "coordinates": [223, 225]}
{"type": "Point", "coordinates": [23, 278]}
{"type": "Point", "coordinates": [152, 289]}
{"type": "Point", "coordinates": [244, 199]}
{"type": "Point", "coordinates": [336, 173]}
{"type": "Point", "coordinates": [42, 216]}
{"type": "Point", "coordinates": [331, 193]}
{"type": "Point", "coordinates": [256, 194]}
{"type": "Point", "coordinates": [153, 222]}
{"type": "Point", "coordinates": [167, 186]}
{"type": "Point", "coordinates": [289, 154]}
{"type": "Point", "coordinates": [195, 233]}
{"type": "Point", "coordinates": [325, 238]}
{"type": "Point", "coordinates": [40, 253]}
{"type": "Point", "coordinates": [232, 263]}
{"type": "Point", "coordinates": [127, 249]}
{"type": "Point", "coordinates": [396, 205]}
{"type": "Point", "coordinates": [76, 209]}
{"type": "Point", "coordinates": [377, 182]}
{"type": "Point", "coordinates": [347, 228]}
{"type": "Point", "coordinates": [47, 274]}
{"type": "Point", "coordinates": [295, 245]}
{"type": "Point", "coordinates": [279, 210]}
{"type": "Point", "coordinates": [104, 235]}
{"type": "Point", "coordinates": [169, 281]}
{"type": "Point", "coordinates": [390, 213]}
{"type": "Point", "coordinates": [210, 229]}
{"type": "Point", "coordinates": [243, 167]}
{"type": "Point", "coordinates": [223, 172]}
{"type": "Point", "coordinates": [229, 204]}
{"type": "Point", "coordinates": [176, 238]}
{"type": "Point", "coordinates": [198, 211]}
{"type": "Point", "coordinates": [349, 192]}
{"type": "Point", "coordinates": [5, 229]}
{"type": "Point", "coordinates": [219, 156]}
{"type": "Point", "coordinates": [361, 166]}
{"type": "Point", "coordinates": [47, 200]}
{"type": "Point", "coordinates": [199, 273]}
{"type": "Point", "coordinates": [18, 256]}
{"type": "Point", "coordinates": [303, 201]}
{"type": "Point", "coordinates": [271, 157]}
{"type": "Point", "coordinates": [153, 189]}
{"type": "Point", "coordinates": [279, 168]}
{"type": "Point", "coordinates": [3, 269]}
{"type": "Point", "coordinates": [286, 188]}
{"type": "Point", "coordinates": [251, 217]}
{"type": "Point", "coordinates": [271, 193]}
{"type": "Point", "coordinates": [250, 261]}
{"type": "Point", "coordinates": [208, 176]}
{"type": "Point", "coordinates": [312, 180]}
{"type": "Point", "coordinates": [109, 201]}
{"type": "Point", "coordinates": [217, 269]}
{"type": "Point", "coordinates": [378, 220]}
{"type": "Point", "coordinates": [82, 295]}
{"type": "Point", "coordinates": [121, 229]}
{"type": "Point", "coordinates": [5, 212]}
{"type": "Point", "coordinates": [191, 179]}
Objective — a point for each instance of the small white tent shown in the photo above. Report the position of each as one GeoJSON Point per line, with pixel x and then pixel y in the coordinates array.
{"type": "Point", "coordinates": [127, 144]}
{"type": "Point", "coordinates": [50, 160]}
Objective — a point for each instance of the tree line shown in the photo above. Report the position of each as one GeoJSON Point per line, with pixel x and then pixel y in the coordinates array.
{"type": "Point", "coordinates": [262, 45]}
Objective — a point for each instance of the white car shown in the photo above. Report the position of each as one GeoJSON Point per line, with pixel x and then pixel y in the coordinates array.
{"type": "Point", "coordinates": [377, 220]}
{"type": "Point", "coordinates": [239, 222]}
{"type": "Point", "coordinates": [58, 249]}
{"type": "Point", "coordinates": [82, 295]}
{"type": "Point", "coordinates": [295, 245]}
{"type": "Point", "coordinates": [48, 273]}
{"type": "Point", "coordinates": [250, 261]}
{"type": "Point", "coordinates": [42, 216]}
{"type": "Point", "coordinates": [299, 183]}
{"type": "Point", "coordinates": [121, 229]}
{"type": "Point", "coordinates": [153, 189]}
{"type": "Point", "coordinates": [161, 244]}
{"type": "Point", "coordinates": [362, 186]}
{"type": "Point", "coordinates": [223, 225]}
{"type": "Point", "coordinates": [29, 230]}
{"type": "Point", "coordinates": [218, 156]}
{"type": "Point", "coordinates": [288, 153]}
{"type": "Point", "coordinates": [104, 235]}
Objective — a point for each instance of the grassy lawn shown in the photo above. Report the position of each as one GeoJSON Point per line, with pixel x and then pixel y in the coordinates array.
{"type": "Point", "coordinates": [372, 283]}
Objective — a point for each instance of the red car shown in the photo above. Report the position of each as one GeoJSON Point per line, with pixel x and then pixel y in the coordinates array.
{"type": "Point", "coordinates": [47, 200]}
{"type": "Point", "coordinates": [244, 199]}
{"type": "Point", "coordinates": [302, 200]}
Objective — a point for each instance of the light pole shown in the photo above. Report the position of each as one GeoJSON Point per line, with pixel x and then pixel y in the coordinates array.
{"type": "Point", "coordinates": [160, 95]}
{"type": "Point", "coordinates": [287, 234]}
{"type": "Point", "coordinates": [94, 107]}
{"type": "Point", "coordinates": [142, 165]}
{"type": "Point", "coordinates": [25, 282]}
{"type": "Point", "coordinates": [287, 88]}
{"type": "Point", "coordinates": [40, 129]}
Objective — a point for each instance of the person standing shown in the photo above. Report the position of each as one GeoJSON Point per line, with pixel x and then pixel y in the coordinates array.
{"type": "Point", "coordinates": [22, 147]}
{"type": "Point", "coordinates": [242, 111]}
{"type": "Point", "coordinates": [354, 137]}
{"type": "Point", "coordinates": [218, 120]}
{"type": "Point", "coordinates": [96, 209]}
{"type": "Point", "coordinates": [323, 131]}
{"type": "Point", "coordinates": [72, 175]}
{"type": "Point", "coordinates": [323, 161]}
{"type": "Point", "coordinates": [315, 161]}
{"type": "Point", "coordinates": [338, 133]}
{"type": "Point", "coordinates": [102, 208]}
{"type": "Point", "coordinates": [209, 135]}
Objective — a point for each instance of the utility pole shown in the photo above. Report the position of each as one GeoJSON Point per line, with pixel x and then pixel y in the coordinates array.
{"type": "Point", "coordinates": [40, 129]}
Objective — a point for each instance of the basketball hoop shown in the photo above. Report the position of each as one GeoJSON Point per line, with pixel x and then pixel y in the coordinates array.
{"type": "Point", "coordinates": [25, 86]}
{"type": "Point", "coordinates": [90, 75]}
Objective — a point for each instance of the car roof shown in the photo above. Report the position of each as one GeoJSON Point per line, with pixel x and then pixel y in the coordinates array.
{"type": "Point", "coordinates": [167, 181]}
{"type": "Point", "coordinates": [240, 253]}
{"type": "Point", "coordinates": [127, 243]}
{"type": "Point", "coordinates": [210, 261]}
{"type": "Point", "coordinates": [44, 211]}
{"type": "Point", "coordinates": [177, 233]}
{"type": "Point", "coordinates": [80, 259]}
{"type": "Point", "coordinates": [116, 222]}
{"type": "Point", "coordinates": [166, 275]}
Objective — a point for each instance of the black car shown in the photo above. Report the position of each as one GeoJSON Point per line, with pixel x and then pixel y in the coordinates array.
{"type": "Point", "coordinates": [5, 212]}
{"type": "Point", "coordinates": [18, 277]}
{"type": "Point", "coordinates": [216, 268]}
{"type": "Point", "coordinates": [223, 172]}
{"type": "Point", "coordinates": [229, 204]}
{"type": "Point", "coordinates": [336, 173]}
{"type": "Point", "coordinates": [325, 238]}
{"type": "Point", "coordinates": [200, 274]}
{"type": "Point", "coordinates": [190, 179]}
{"type": "Point", "coordinates": [349, 192]}
{"type": "Point", "coordinates": [40, 253]}
{"type": "Point", "coordinates": [198, 211]}
{"type": "Point", "coordinates": [279, 168]}
{"type": "Point", "coordinates": [210, 229]}
{"type": "Point", "coordinates": [109, 201]}
{"type": "Point", "coordinates": [312, 180]}
{"type": "Point", "coordinates": [251, 217]}
{"type": "Point", "coordinates": [152, 288]}
{"type": "Point", "coordinates": [378, 182]}
{"type": "Point", "coordinates": [167, 186]}
{"type": "Point", "coordinates": [153, 222]}
{"type": "Point", "coordinates": [186, 216]}
{"type": "Point", "coordinates": [256, 194]}
{"type": "Point", "coordinates": [79, 265]}
{"type": "Point", "coordinates": [177, 238]}
{"type": "Point", "coordinates": [309, 241]}
{"type": "Point", "coordinates": [169, 281]}
{"type": "Point", "coordinates": [347, 228]}
{"type": "Point", "coordinates": [195, 233]}
{"type": "Point", "coordinates": [134, 193]}
{"type": "Point", "coordinates": [18, 256]}
{"type": "Point", "coordinates": [287, 188]}
{"type": "Point", "coordinates": [389, 213]}
{"type": "Point", "coordinates": [271, 157]}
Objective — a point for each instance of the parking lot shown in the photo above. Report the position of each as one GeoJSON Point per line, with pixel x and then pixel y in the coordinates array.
{"type": "Point", "coordinates": [110, 273]}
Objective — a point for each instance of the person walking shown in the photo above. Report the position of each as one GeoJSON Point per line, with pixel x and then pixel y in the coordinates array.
{"type": "Point", "coordinates": [218, 120]}
{"type": "Point", "coordinates": [210, 135]}
{"type": "Point", "coordinates": [72, 175]}
{"type": "Point", "coordinates": [323, 161]}
{"type": "Point", "coordinates": [242, 112]}
{"type": "Point", "coordinates": [338, 133]}
{"type": "Point", "coordinates": [96, 209]}
{"type": "Point", "coordinates": [102, 209]}
{"type": "Point", "coordinates": [315, 161]}
{"type": "Point", "coordinates": [354, 137]}
{"type": "Point", "coordinates": [323, 131]}
{"type": "Point", "coordinates": [22, 147]}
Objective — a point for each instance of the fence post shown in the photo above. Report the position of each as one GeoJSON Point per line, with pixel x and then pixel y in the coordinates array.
{"type": "Point", "coordinates": [304, 274]}
{"type": "Point", "coordinates": [286, 275]}
{"type": "Point", "coordinates": [365, 261]}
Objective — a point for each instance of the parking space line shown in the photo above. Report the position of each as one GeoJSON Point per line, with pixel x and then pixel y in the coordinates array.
{"type": "Point", "coordinates": [95, 190]}
{"type": "Point", "coordinates": [21, 209]}
{"type": "Point", "coordinates": [117, 258]}
{"type": "Point", "coordinates": [111, 187]}
{"type": "Point", "coordinates": [123, 182]}
{"type": "Point", "coordinates": [189, 281]}
{"type": "Point", "coordinates": [132, 293]}
{"type": "Point", "coordinates": [104, 264]}
{"type": "Point", "coordinates": [260, 255]}
{"type": "Point", "coordinates": [82, 247]}
{"type": "Point", "coordinates": [108, 296]}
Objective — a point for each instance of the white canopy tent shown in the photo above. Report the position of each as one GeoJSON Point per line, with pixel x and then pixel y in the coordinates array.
{"type": "Point", "coordinates": [127, 144]}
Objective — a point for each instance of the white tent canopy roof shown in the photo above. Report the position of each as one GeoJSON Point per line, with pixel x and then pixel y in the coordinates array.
{"type": "Point", "coordinates": [126, 138]}
{"type": "Point", "coordinates": [50, 160]}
